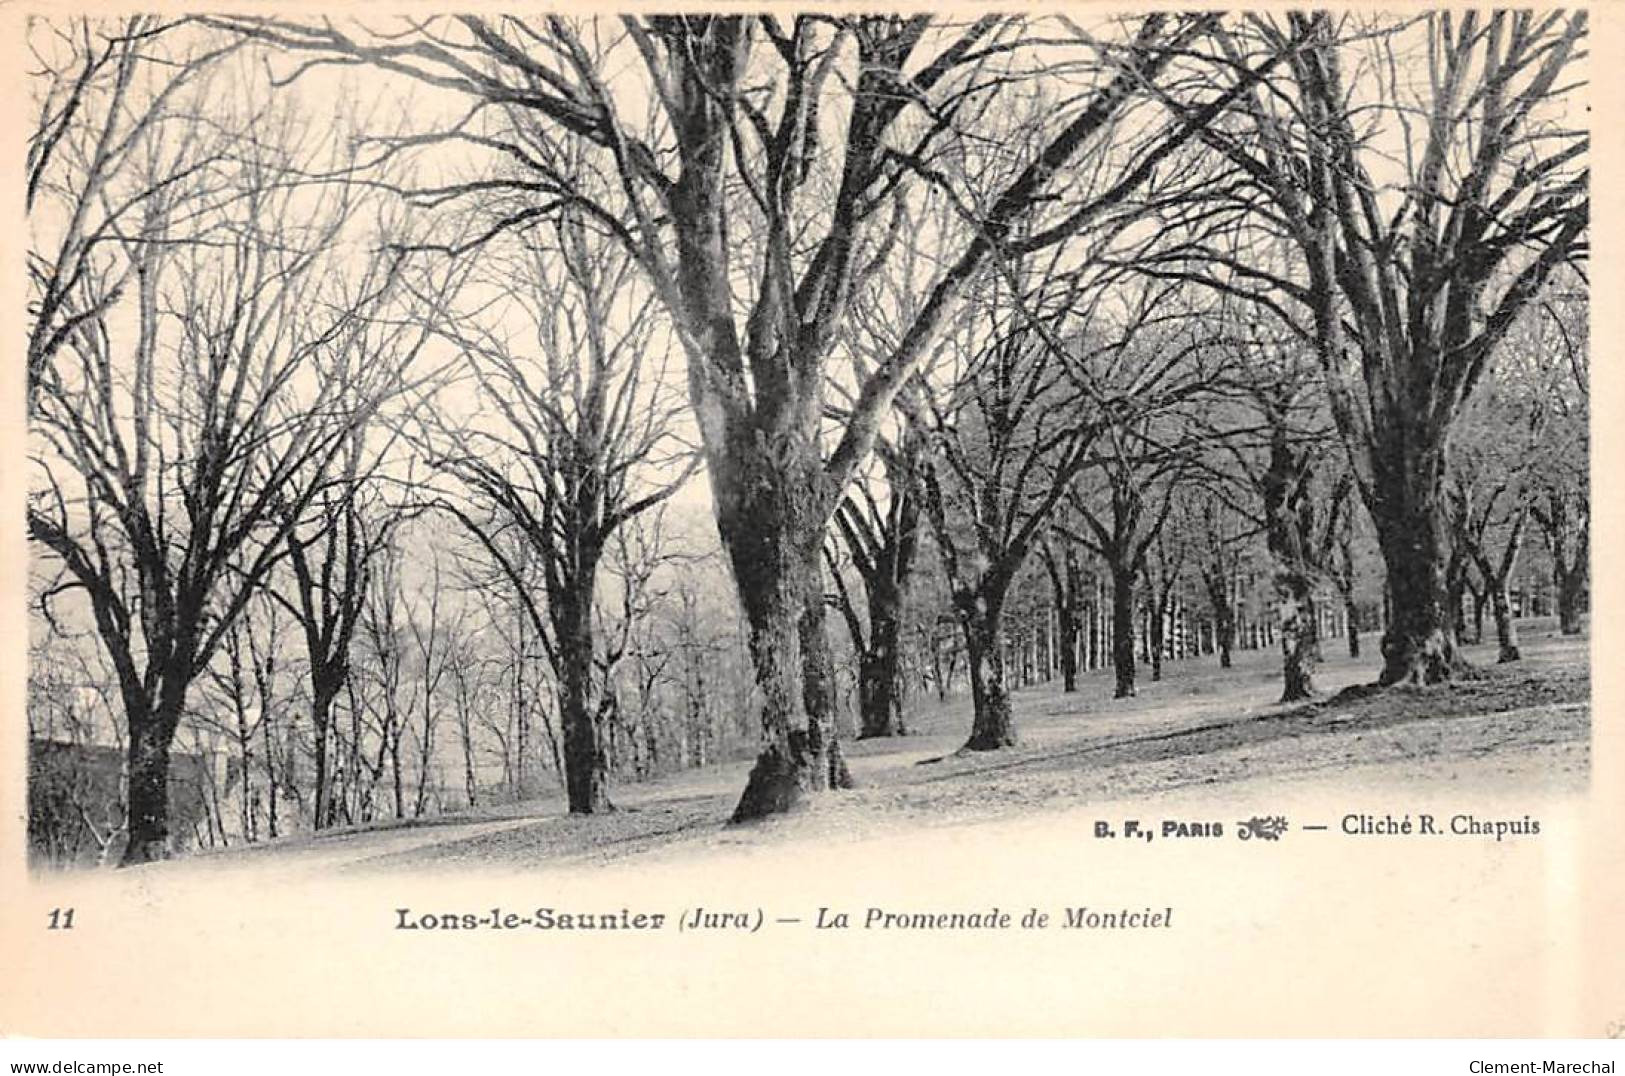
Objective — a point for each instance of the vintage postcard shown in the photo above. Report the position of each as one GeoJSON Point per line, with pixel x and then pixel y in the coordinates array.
{"type": "Point", "coordinates": [739, 521]}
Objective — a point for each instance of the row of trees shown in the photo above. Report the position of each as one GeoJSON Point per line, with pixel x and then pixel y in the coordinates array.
{"type": "Point", "coordinates": [1029, 295]}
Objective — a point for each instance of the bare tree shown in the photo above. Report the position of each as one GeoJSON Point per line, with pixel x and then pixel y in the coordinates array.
{"type": "Point", "coordinates": [1068, 585]}
{"type": "Point", "coordinates": [1427, 211]}
{"type": "Point", "coordinates": [1030, 378]}
{"type": "Point", "coordinates": [882, 542]}
{"type": "Point", "coordinates": [1283, 446]}
{"type": "Point", "coordinates": [1510, 431]}
{"type": "Point", "coordinates": [1164, 361]}
{"type": "Point", "coordinates": [196, 419]}
{"type": "Point", "coordinates": [722, 105]}
{"type": "Point", "coordinates": [1225, 532]}
{"type": "Point", "coordinates": [331, 549]}
{"type": "Point", "coordinates": [566, 446]}
{"type": "Point", "coordinates": [107, 94]}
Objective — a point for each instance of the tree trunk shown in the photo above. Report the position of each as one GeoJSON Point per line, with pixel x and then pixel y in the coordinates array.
{"type": "Point", "coordinates": [396, 732]}
{"type": "Point", "coordinates": [1217, 584]}
{"type": "Point", "coordinates": [1123, 631]}
{"type": "Point", "coordinates": [1066, 642]}
{"type": "Point", "coordinates": [785, 769]}
{"type": "Point", "coordinates": [818, 693]}
{"type": "Point", "coordinates": [1570, 592]}
{"type": "Point", "coordinates": [882, 691]}
{"type": "Point", "coordinates": [1351, 617]}
{"type": "Point", "coordinates": [1506, 629]}
{"type": "Point", "coordinates": [321, 717]}
{"type": "Point", "coordinates": [992, 726]}
{"type": "Point", "coordinates": [1300, 638]}
{"type": "Point", "coordinates": [1419, 645]}
{"type": "Point", "coordinates": [147, 758]}
{"type": "Point", "coordinates": [1158, 638]}
{"type": "Point", "coordinates": [773, 537]}
{"type": "Point", "coordinates": [585, 765]}
{"type": "Point", "coordinates": [272, 779]}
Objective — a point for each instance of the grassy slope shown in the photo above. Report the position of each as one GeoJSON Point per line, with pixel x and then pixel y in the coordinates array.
{"type": "Point", "coordinates": [1522, 727]}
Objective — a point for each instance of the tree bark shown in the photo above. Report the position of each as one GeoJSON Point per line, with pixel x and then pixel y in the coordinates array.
{"type": "Point", "coordinates": [1123, 579]}
{"type": "Point", "coordinates": [992, 728]}
{"type": "Point", "coordinates": [585, 766]}
{"type": "Point", "coordinates": [884, 554]}
{"type": "Point", "coordinates": [1568, 537]}
{"type": "Point", "coordinates": [773, 534]}
{"type": "Point", "coordinates": [787, 767]}
{"type": "Point", "coordinates": [818, 695]}
{"type": "Point", "coordinates": [1300, 638]}
{"type": "Point", "coordinates": [881, 688]}
{"type": "Point", "coordinates": [1067, 632]}
{"type": "Point", "coordinates": [321, 717]}
{"type": "Point", "coordinates": [1158, 638]}
{"type": "Point", "coordinates": [1506, 629]}
{"type": "Point", "coordinates": [152, 731]}
{"type": "Point", "coordinates": [1570, 594]}
{"type": "Point", "coordinates": [1419, 645]}
{"type": "Point", "coordinates": [1351, 617]}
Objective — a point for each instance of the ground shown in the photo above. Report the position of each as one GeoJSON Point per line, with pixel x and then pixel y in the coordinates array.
{"type": "Point", "coordinates": [1202, 732]}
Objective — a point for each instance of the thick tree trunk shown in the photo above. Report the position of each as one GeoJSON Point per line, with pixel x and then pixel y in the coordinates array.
{"type": "Point", "coordinates": [882, 691]}
{"type": "Point", "coordinates": [775, 560]}
{"type": "Point", "coordinates": [785, 769]}
{"type": "Point", "coordinates": [1300, 638]}
{"type": "Point", "coordinates": [585, 765]}
{"type": "Point", "coordinates": [1419, 645]}
{"type": "Point", "coordinates": [321, 719]}
{"type": "Point", "coordinates": [1506, 629]}
{"type": "Point", "coordinates": [829, 769]}
{"type": "Point", "coordinates": [1123, 631]}
{"type": "Point", "coordinates": [992, 727]}
{"type": "Point", "coordinates": [570, 606]}
{"type": "Point", "coordinates": [1067, 631]}
{"type": "Point", "coordinates": [147, 759]}
{"type": "Point", "coordinates": [1570, 594]}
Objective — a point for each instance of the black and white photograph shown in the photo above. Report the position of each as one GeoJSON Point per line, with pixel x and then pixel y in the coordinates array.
{"type": "Point", "coordinates": [1113, 479]}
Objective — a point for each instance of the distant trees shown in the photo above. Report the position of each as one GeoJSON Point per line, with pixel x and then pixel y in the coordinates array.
{"type": "Point", "coordinates": [1021, 408]}
{"type": "Point", "coordinates": [1064, 566]}
{"type": "Point", "coordinates": [1164, 362]}
{"type": "Point", "coordinates": [1561, 478]}
{"type": "Point", "coordinates": [1223, 532]}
